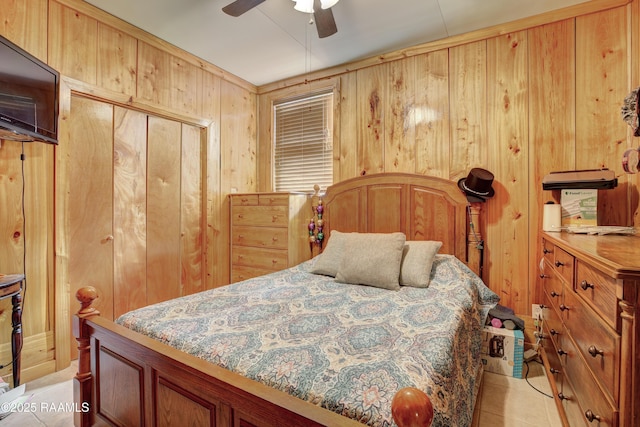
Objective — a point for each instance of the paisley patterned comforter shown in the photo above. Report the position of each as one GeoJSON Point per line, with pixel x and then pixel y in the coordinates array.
{"type": "Point", "coordinates": [347, 348]}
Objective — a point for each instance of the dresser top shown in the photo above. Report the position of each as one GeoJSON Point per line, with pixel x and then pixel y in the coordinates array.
{"type": "Point", "coordinates": [617, 255]}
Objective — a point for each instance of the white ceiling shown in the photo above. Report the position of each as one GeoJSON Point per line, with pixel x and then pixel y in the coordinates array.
{"type": "Point", "coordinates": [273, 41]}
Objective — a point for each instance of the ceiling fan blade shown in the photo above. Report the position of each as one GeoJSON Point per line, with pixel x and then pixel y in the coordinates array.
{"type": "Point", "coordinates": [325, 23]}
{"type": "Point", "coordinates": [239, 7]}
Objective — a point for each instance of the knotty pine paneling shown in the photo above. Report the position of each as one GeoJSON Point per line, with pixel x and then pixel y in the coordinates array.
{"type": "Point", "coordinates": [116, 60]}
{"type": "Point", "coordinates": [602, 66]}
{"type": "Point", "coordinates": [238, 133]}
{"type": "Point", "coordinates": [23, 23]}
{"type": "Point", "coordinates": [129, 210]}
{"type": "Point", "coordinates": [400, 128]}
{"type": "Point", "coordinates": [73, 41]}
{"type": "Point", "coordinates": [467, 108]}
{"type": "Point", "coordinates": [168, 80]}
{"type": "Point", "coordinates": [371, 92]}
{"type": "Point", "coordinates": [506, 216]}
{"type": "Point", "coordinates": [345, 163]}
{"type": "Point", "coordinates": [552, 142]}
{"type": "Point", "coordinates": [432, 114]}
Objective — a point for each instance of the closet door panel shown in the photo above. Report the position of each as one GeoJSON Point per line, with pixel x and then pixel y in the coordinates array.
{"type": "Point", "coordinates": [129, 210]}
{"type": "Point", "coordinates": [163, 209]}
{"type": "Point", "coordinates": [90, 168]}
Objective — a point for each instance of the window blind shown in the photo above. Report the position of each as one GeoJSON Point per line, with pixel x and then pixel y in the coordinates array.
{"type": "Point", "coordinates": [303, 146]}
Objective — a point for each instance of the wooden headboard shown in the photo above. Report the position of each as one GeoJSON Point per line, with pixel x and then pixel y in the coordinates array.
{"type": "Point", "coordinates": [422, 207]}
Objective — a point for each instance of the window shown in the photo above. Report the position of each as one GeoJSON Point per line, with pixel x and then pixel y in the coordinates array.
{"type": "Point", "coordinates": [303, 145]}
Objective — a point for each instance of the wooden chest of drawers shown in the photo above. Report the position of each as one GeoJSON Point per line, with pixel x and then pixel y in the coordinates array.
{"type": "Point", "coordinates": [268, 233]}
{"type": "Point", "coordinates": [591, 330]}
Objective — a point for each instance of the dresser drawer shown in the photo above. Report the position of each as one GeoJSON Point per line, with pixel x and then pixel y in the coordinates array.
{"type": "Point", "coordinates": [273, 199]}
{"type": "Point", "coordinates": [552, 287]}
{"type": "Point", "coordinates": [261, 216]}
{"type": "Point", "coordinates": [270, 259]}
{"type": "Point", "coordinates": [551, 322]}
{"type": "Point", "coordinates": [599, 291]}
{"type": "Point", "coordinates": [244, 200]}
{"type": "Point", "coordinates": [563, 262]}
{"type": "Point", "coordinates": [547, 250]}
{"type": "Point", "coordinates": [591, 335]}
{"type": "Point", "coordinates": [556, 370]}
{"type": "Point", "coordinates": [243, 272]}
{"type": "Point", "coordinates": [587, 393]}
{"type": "Point", "coordinates": [262, 237]}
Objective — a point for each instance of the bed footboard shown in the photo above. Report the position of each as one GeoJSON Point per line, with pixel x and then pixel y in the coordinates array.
{"type": "Point", "coordinates": [127, 379]}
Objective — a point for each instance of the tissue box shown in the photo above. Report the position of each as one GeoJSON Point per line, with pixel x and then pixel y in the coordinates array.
{"type": "Point", "coordinates": [502, 351]}
{"type": "Point", "coordinates": [579, 207]}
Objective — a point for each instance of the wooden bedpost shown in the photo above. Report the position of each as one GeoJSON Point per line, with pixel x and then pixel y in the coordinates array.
{"type": "Point", "coordinates": [475, 244]}
{"type": "Point", "coordinates": [412, 407]}
{"type": "Point", "coordinates": [83, 381]}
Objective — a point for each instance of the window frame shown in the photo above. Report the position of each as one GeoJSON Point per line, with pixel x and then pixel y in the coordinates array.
{"type": "Point", "coordinates": [266, 168]}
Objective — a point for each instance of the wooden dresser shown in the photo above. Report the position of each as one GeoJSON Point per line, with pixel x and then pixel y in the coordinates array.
{"type": "Point", "coordinates": [591, 331]}
{"type": "Point", "coordinates": [268, 233]}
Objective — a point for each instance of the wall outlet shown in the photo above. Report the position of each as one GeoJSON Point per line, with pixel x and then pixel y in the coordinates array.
{"type": "Point", "coordinates": [536, 311]}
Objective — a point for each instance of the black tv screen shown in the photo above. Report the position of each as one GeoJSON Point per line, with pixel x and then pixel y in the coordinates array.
{"type": "Point", "coordinates": [28, 96]}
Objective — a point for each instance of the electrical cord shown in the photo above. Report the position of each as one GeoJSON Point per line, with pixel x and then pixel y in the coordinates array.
{"type": "Point", "coordinates": [24, 256]}
{"type": "Point", "coordinates": [526, 377]}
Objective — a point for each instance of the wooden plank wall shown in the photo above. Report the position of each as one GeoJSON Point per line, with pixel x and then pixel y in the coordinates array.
{"type": "Point", "coordinates": [152, 140]}
{"type": "Point", "coordinates": [521, 100]}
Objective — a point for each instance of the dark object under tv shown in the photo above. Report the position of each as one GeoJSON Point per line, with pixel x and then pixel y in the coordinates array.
{"type": "Point", "coordinates": [29, 91]}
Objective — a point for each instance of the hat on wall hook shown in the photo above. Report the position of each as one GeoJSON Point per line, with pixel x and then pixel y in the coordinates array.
{"type": "Point", "coordinates": [477, 185]}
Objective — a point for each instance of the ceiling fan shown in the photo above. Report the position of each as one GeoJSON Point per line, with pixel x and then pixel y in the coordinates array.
{"type": "Point", "coordinates": [321, 9]}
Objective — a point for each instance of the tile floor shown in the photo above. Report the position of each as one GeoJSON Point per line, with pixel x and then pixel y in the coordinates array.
{"type": "Point", "coordinates": [506, 401]}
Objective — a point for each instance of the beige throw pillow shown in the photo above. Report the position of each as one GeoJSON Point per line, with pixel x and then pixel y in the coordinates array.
{"type": "Point", "coordinates": [372, 259]}
{"type": "Point", "coordinates": [417, 261]}
{"type": "Point", "coordinates": [329, 260]}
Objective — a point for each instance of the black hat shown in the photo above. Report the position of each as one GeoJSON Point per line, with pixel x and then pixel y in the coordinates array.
{"type": "Point", "coordinates": [477, 185]}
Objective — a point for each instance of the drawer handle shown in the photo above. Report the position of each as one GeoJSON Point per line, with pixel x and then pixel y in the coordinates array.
{"type": "Point", "coordinates": [563, 307]}
{"type": "Point", "coordinates": [554, 332]}
{"type": "Point", "coordinates": [561, 352]}
{"type": "Point", "coordinates": [586, 285]}
{"type": "Point", "coordinates": [554, 371]}
{"type": "Point", "coordinates": [595, 352]}
{"type": "Point", "coordinates": [554, 294]}
{"type": "Point", "coordinates": [561, 396]}
{"type": "Point", "coordinates": [591, 417]}
{"type": "Point", "coordinates": [274, 218]}
{"type": "Point", "coordinates": [559, 264]}
{"type": "Point", "coordinates": [274, 239]}
{"type": "Point", "coordinates": [546, 251]}
{"type": "Point", "coordinates": [543, 276]}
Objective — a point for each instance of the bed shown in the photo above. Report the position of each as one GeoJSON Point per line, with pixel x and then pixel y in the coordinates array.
{"type": "Point", "coordinates": [300, 347]}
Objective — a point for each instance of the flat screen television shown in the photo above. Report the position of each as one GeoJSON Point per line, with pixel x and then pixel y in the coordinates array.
{"type": "Point", "coordinates": [29, 91]}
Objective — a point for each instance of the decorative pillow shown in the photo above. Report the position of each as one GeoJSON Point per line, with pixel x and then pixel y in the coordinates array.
{"type": "Point", "coordinates": [329, 260]}
{"type": "Point", "coordinates": [372, 259]}
{"type": "Point", "coordinates": [417, 260]}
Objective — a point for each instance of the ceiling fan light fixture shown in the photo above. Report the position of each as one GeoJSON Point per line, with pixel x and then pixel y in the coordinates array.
{"type": "Point", "coordinates": [305, 6]}
{"type": "Point", "coordinates": [326, 4]}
